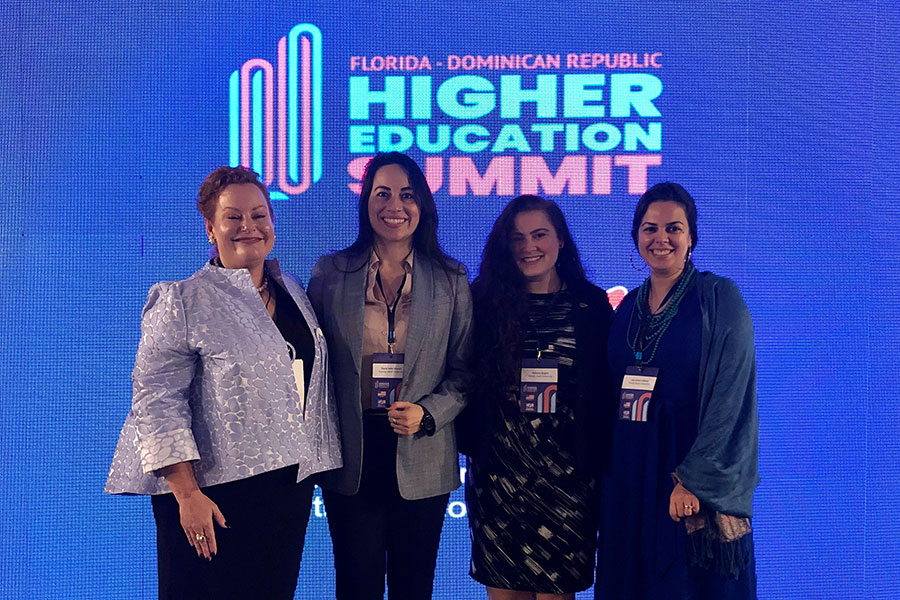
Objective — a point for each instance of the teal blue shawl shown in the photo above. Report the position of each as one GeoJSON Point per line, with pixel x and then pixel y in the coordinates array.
{"type": "Point", "coordinates": [721, 468]}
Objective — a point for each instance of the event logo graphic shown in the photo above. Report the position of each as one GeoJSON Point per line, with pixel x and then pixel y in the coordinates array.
{"type": "Point", "coordinates": [481, 125]}
{"type": "Point", "coordinates": [275, 114]}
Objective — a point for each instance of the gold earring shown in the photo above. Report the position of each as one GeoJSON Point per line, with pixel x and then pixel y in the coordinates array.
{"type": "Point", "coordinates": [212, 240]}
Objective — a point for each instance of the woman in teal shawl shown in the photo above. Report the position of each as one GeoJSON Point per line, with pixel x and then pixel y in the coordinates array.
{"type": "Point", "coordinates": [679, 482]}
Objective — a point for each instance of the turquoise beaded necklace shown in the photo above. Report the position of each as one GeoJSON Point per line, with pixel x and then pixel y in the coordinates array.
{"type": "Point", "coordinates": [644, 341]}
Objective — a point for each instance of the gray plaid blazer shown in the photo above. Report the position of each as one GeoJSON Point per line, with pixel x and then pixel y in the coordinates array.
{"type": "Point", "coordinates": [434, 372]}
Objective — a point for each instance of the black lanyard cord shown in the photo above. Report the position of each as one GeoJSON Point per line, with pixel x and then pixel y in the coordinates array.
{"type": "Point", "coordinates": [391, 309]}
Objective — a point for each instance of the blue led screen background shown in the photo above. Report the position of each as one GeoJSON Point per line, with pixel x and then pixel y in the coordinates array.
{"type": "Point", "coordinates": [779, 117]}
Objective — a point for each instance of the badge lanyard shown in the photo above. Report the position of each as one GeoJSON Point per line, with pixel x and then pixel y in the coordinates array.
{"type": "Point", "coordinates": [639, 381]}
{"type": "Point", "coordinates": [636, 394]}
{"type": "Point", "coordinates": [648, 322]}
{"type": "Point", "coordinates": [539, 378]}
{"type": "Point", "coordinates": [387, 368]}
{"type": "Point", "coordinates": [642, 343]}
{"type": "Point", "coordinates": [541, 347]}
{"type": "Point", "coordinates": [391, 309]}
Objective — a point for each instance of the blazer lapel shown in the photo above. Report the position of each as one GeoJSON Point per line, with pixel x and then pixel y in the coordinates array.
{"type": "Point", "coordinates": [422, 298]}
{"type": "Point", "coordinates": [353, 305]}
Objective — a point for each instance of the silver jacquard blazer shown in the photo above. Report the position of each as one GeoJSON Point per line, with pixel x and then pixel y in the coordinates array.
{"type": "Point", "coordinates": [213, 385]}
{"type": "Point", "coordinates": [434, 373]}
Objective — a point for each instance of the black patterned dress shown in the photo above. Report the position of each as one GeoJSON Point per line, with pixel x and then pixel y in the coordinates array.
{"type": "Point", "coordinates": [531, 512]}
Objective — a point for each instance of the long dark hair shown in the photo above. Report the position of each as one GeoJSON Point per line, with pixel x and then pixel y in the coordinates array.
{"type": "Point", "coordinates": [425, 239]}
{"type": "Point", "coordinates": [500, 294]}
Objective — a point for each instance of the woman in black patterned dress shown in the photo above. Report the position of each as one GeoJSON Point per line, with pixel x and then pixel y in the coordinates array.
{"type": "Point", "coordinates": [532, 428]}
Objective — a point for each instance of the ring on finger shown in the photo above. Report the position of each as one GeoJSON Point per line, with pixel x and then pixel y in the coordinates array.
{"type": "Point", "coordinates": [199, 537]}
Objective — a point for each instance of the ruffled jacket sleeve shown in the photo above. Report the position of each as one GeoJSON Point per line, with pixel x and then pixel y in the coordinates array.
{"type": "Point", "coordinates": [721, 468]}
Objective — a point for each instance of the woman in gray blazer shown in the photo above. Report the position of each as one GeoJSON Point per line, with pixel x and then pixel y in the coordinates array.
{"type": "Point", "coordinates": [396, 312]}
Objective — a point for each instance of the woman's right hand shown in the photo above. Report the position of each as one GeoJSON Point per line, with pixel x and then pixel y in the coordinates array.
{"type": "Point", "coordinates": [197, 514]}
{"type": "Point", "coordinates": [196, 510]}
{"type": "Point", "coordinates": [682, 503]}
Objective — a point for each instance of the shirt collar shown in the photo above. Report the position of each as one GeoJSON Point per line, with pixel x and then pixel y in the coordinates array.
{"type": "Point", "coordinates": [241, 277]}
{"type": "Point", "coordinates": [375, 261]}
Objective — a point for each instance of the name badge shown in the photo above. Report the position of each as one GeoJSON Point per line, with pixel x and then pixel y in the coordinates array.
{"type": "Point", "coordinates": [637, 391]}
{"type": "Point", "coordinates": [299, 376]}
{"type": "Point", "coordinates": [387, 378]}
{"type": "Point", "coordinates": [537, 393]}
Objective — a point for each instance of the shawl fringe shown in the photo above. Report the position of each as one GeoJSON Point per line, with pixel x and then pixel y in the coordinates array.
{"type": "Point", "coordinates": [710, 548]}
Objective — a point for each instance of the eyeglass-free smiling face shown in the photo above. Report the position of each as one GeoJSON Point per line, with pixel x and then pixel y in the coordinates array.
{"type": "Point", "coordinates": [242, 227]}
{"type": "Point", "coordinates": [664, 239]}
{"type": "Point", "coordinates": [535, 246]}
{"type": "Point", "coordinates": [393, 209]}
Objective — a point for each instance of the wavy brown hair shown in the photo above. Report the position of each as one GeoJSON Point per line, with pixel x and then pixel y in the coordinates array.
{"type": "Point", "coordinates": [500, 295]}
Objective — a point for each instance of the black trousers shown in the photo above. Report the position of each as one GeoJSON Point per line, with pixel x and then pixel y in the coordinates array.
{"type": "Point", "coordinates": [259, 553]}
{"type": "Point", "coordinates": [376, 531]}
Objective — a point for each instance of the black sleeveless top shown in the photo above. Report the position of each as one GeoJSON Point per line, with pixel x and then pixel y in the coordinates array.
{"type": "Point", "coordinates": [294, 329]}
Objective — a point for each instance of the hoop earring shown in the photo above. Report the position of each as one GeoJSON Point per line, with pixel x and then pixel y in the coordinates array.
{"type": "Point", "coordinates": [633, 265]}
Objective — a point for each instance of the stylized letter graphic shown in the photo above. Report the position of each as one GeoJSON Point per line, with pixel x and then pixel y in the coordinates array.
{"type": "Point", "coordinates": [254, 73]}
{"type": "Point", "coordinates": [252, 118]}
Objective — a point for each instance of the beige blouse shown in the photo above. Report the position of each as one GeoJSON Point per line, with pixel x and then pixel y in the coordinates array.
{"type": "Point", "coordinates": [375, 324]}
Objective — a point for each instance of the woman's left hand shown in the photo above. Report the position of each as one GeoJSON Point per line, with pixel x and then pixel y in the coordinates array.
{"type": "Point", "coordinates": [682, 503]}
{"type": "Point", "coordinates": [405, 417]}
